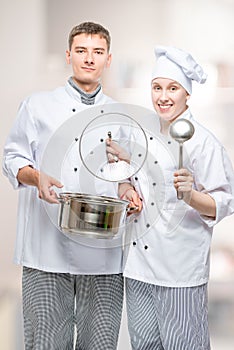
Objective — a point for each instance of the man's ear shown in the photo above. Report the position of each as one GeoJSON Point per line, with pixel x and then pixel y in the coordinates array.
{"type": "Point", "coordinates": [109, 59]}
{"type": "Point", "coordinates": [68, 56]}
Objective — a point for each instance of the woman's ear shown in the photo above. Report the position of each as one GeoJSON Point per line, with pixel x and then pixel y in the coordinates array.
{"type": "Point", "coordinates": [188, 97]}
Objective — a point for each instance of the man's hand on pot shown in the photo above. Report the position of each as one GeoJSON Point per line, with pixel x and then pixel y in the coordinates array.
{"type": "Point", "coordinates": [128, 193]}
{"type": "Point", "coordinates": [45, 188]}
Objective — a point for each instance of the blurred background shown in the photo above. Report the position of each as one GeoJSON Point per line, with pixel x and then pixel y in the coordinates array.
{"type": "Point", "coordinates": [33, 40]}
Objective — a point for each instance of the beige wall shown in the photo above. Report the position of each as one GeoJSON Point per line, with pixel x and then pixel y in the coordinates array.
{"type": "Point", "coordinates": [33, 37]}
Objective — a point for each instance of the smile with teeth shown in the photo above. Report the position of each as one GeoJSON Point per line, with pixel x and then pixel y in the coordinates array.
{"type": "Point", "coordinates": [165, 106]}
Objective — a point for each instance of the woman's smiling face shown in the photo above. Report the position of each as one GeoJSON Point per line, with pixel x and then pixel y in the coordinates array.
{"type": "Point", "coordinates": [169, 98]}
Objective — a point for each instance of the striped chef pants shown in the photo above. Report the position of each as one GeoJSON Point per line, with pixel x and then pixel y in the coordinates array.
{"type": "Point", "coordinates": [50, 314]}
{"type": "Point", "coordinates": [163, 318]}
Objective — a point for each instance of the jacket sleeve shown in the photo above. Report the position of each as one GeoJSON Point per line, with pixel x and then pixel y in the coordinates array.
{"type": "Point", "coordinates": [20, 146]}
{"type": "Point", "coordinates": [215, 176]}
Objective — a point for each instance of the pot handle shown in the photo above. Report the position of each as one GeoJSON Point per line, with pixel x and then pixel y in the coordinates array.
{"type": "Point", "coordinates": [63, 200]}
{"type": "Point", "coordinates": [129, 209]}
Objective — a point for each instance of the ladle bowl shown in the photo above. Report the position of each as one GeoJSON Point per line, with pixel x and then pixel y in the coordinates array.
{"type": "Point", "coordinates": [181, 130]}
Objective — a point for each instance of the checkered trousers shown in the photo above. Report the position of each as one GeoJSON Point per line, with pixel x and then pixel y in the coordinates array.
{"type": "Point", "coordinates": [66, 312]}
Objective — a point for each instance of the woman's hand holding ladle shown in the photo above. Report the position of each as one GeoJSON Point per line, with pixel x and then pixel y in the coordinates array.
{"type": "Point", "coordinates": [182, 130]}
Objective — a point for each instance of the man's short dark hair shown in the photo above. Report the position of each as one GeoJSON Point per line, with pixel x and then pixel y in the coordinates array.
{"type": "Point", "coordinates": [90, 28]}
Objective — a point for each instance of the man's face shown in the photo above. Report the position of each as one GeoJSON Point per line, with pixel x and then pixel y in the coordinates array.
{"type": "Point", "coordinates": [89, 57]}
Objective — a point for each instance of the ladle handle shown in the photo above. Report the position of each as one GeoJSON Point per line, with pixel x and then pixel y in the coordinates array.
{"type": "Point", "coordinates": [180, 194]}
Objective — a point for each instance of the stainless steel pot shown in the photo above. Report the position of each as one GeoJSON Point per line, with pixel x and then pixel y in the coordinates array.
{"type": "Point", "coordinates": [95, 216]}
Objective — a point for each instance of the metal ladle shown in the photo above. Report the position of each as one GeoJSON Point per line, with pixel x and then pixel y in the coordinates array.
{"type": "Point", "coordinates": [181, 130]}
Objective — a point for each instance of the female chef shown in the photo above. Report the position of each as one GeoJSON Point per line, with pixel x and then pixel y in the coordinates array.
{"type": "Point", "coordinates": [167, 260]}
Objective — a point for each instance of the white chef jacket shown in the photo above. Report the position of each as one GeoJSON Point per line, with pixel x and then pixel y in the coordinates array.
{"type": "Point", "coordinates": [39, 243]}
{"type": "Point", "coordinates": [168, 243]}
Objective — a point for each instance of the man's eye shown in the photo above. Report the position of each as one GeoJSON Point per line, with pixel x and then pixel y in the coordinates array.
{"type": "Point", "coordinates": [99, 52]}
{"type": "Point", "coordinates": [80, 51]}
